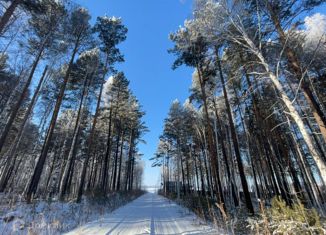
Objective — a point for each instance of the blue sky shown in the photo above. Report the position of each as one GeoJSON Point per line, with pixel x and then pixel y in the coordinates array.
{"type": "Point", "coordinates": [148, 65]}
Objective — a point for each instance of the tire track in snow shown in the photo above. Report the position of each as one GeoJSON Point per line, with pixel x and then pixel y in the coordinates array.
{"type": "Point", "coordinates": [149, 214]}
{"type": "Point", "coordinates": [152, 218]}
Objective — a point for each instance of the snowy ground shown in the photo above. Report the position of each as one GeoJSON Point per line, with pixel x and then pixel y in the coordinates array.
{"type": "Point", "coordinates": [149, 214]}
{"type": "Point", "coordinates": [52, 218]}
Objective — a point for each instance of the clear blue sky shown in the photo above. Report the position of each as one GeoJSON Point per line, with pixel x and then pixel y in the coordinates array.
{"type": "Point", "coordinates": [148, 65]}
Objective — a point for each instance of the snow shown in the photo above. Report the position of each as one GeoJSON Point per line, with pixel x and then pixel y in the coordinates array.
{"type": "Point", "coordinates": [39, 217]}
{"type": "Point", "coordinates": [106, 90]}
{"type": "Point", "coordinates": [90, 53]}
{"type": "Point", "coordinates": [315, 26]}
{"type": "Point", "coordinates": [83, 10]}
{"type": "Point", "coordinates": [175, 102]}
{"type": "Point", "coordinates": [112, 19]}
{"type": "Point", "coordinates": [56, 217]}
{"type": "Point", "coordinates": [315, 30]}
{"type": "Point", "coordinates": [195, 85]}
{"type": "Point", "coordinates": [149, 214]}
{"type": "Point", "coordinates": [115, 19]}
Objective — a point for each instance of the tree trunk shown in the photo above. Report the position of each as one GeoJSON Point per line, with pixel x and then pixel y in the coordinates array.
{"type": "Point", "coordinates": [292, 112]}
{"type": "Point", "coordinates": [21, 98]}
{"type": "Point", "coordinates": [72, 150]}
{"type": "Point", "coordinates": [208, 180]}
{"type": "Point", "coordinates": [210, 140]}
{"type": "Point", "coordinates": [132, 174]}
{"type": "Point", "coordinates": [107, 154]}
{"type": "Point", "coordinates": [32, 187]}
{"type": "Point", "coordinates": [91, 137]}
{"type": "Point", "coordinates": [116, 158]}
{"type": "Point", "coordinates": [120, 162]}
{"type": "Point", "coordinates": [294, 65]}
{"type": "Point", "coordinates": [130, 153]}
{"type": "Point", "coordinates": [306, 176]}
{"type": "Point", "coordinates": [226, 161]}
{"type": "Point", "coordinates": [235, 143]}
{"type": "Point", "coordinates": [14, 147]}
{"type": "Point", "coordinates": [196, 169]}
{"type": "Point", "coordinates": [297, 119]}
{"type": "Point", "coordinates": [8, 13]}
{"type": "Point", "coordinates": [201, 176]}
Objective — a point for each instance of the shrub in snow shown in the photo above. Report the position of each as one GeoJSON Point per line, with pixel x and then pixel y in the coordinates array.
{"type": "Point", "coordinates": [283, 219]}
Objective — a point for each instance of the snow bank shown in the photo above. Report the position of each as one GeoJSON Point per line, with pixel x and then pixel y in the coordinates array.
{"type": "Point", "coordinates": [44, 217]}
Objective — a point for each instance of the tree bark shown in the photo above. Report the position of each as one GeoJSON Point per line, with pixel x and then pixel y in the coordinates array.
{"type": "Point", "coordinates": [72, 150]}
{"type": "Point", "coordinates": [292, 112]}
{"type": "Point", "coordinates": [32, 186]}
{"type": "Point", "coordinates": [91, 136]}
{"type": "Point", "coordinates": [21, 98]}
{"type": "Point", "coordinates": [226, 161]}
{"type": "Point", "coordinates": [8, 13]}
{"type": "Point", "coordinates": [210, 139]}
{"type": "Point", "coordinates": [235, 142]}
{"type": "Point", "coordinates": [120, 162]}
{"type": "Point", "coordinates": [12, 152]}
{"type": "Point", "coordinates": [116, 157]}
{"type": "Point", "coordinates": [294, 65]}
{"type": "Point", "coordinates": [130, 153]}
{"type": "Point", "coordinates": [107, 154]}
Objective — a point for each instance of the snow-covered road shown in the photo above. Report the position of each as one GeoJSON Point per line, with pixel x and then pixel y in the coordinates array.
{"type": "Point", "coordinates": [149, 214]}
